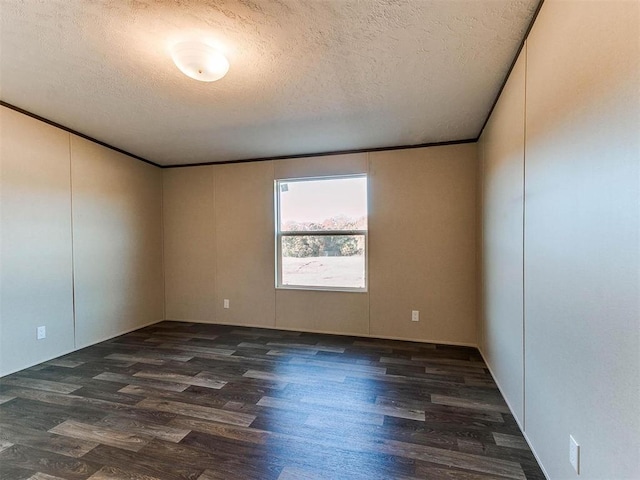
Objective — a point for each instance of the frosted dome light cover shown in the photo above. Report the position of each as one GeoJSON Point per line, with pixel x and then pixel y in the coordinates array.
{"type": "Point", "coordinates": [199, 61]}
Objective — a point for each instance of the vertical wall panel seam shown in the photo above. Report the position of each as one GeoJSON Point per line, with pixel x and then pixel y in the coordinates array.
{"type": "Point", "coordinates": [73, 253]}
{"type": "Point", "coordinates": [480, 246]}
{"type": "Point", "coordinates": [478, 240]}
{"type": "Point", "coordinates": [368, 167]}
{"type": "Point", "coordinates": [162, 246]}
{"type": "Point", "coordinates": [216, 283]}
{"type": "Point", "coordinates": [524, 193]}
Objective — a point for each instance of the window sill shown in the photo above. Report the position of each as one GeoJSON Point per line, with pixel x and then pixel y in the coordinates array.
{"type": "Point", "coordinates": [322, 289]}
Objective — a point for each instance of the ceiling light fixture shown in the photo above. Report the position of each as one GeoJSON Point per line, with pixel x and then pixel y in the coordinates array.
{"type": "Point", "coordinates": [199, 61]}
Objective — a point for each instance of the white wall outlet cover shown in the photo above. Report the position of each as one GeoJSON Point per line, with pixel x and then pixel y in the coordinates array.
{"type": "Point", "coordinates": [574, 454]}
{"type": "Point", "coordinates": [415, 316]}
{"type": "Point", "coordinates": [226, 303]}
{"type": "Point", "coordinates": [41, 333]}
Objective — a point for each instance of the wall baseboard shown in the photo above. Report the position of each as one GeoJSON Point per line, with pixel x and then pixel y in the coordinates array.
{"type": "Point", "coordinates": [329, 332]}
{"type": "Point", "coordinates": [75, 349]}
{"type": "Point", "coordinates": [495, 379]}
{"type": "Point", "coordinates": [271, 327]}
{"type": "Point", "coordinates": [535, 454]}
{"type": "Point", "coordinates": [48, 359]}
{"type": "Point", "coordinates": [124, 332]}
{"type": "Point", "coordinates": [522, 430]}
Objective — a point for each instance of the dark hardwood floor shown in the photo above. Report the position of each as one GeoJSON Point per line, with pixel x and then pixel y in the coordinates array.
{"type": "Point", "coordinates": [190, 401]}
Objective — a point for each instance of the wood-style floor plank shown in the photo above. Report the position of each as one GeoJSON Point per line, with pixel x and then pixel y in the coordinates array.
{"type": "Point", "coordinates": [44, 476]}
{"type": "Point", "coordinates": [143, 463]}
{"type": "Point", "coordinates": [10, 472]}
{"type": "Point", "coordinates": [57, 387]}
{"type": "Point", "coordinates": [511, 441]}
{"type": "Point", "coordinates": [63, 362]}
{"type": "Point", "coordinates": [178, 378]}
{"type": "Point", "coordinates": [132, 380]}
{"type": "Point", "coordinates": [117, 473]}
{"type": "Point", "coordinates": [467, 403]}
{"type": "Point", "coordinates": [185, 401]}
{"type": "Point", "coordinates": [223, 430]}
{"type": "Point", "coordinates": [100, 435]}
{"type": "Point", "coordinates": [206, 413]}
{"type": "Point", "coordinates": [145, 429]}
{"type": "Point", "coordinates": [44, 440]}
{"type": "Point", "coordinates": [36, 460]}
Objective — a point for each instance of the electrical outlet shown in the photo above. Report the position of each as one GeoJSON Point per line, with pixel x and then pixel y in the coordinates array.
{"type": "Point", "coordinates": [415, 315]}
{"type": "Point", "coordinates": [574, 454]}
{"type": "Point", "coordinates": [41, 333]}
{"type": "Point", "coordinates": [226, 303]}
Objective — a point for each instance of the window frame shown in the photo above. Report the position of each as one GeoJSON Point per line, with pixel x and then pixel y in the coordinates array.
{"type": "Point", "coordinates": [322, 233]}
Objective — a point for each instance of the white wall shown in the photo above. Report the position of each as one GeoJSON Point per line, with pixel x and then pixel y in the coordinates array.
{"type": "Point", "coordinates": [502, 185]}
{"type": "Point", "coordinates": [36, 267]}
{"type": "Point", "coordinates": [581, 243]}
{"type": "Point", "coordinates": [76, 217]}
{"type": "Point", "coordinates": [422, 246]}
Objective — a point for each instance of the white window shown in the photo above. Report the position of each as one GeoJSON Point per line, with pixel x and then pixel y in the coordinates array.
{"type": "Point", "coordinates": [321, 233]}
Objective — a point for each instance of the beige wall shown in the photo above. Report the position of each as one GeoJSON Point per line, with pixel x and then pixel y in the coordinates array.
{"type": "Point", "coordinates": [502, 163]}
{"type": "Point", "coordinates": [36, 272]}
{"type": "Point", "coordinates": [189, 265]}
{"type": "Point", "coordinates": [117, 242]}
{"type": "Point", "coordinates": [581, 246]}
{"type": "Point", "coordinates": [75, 217]}
{"type": "Point", "coordinates": [352, 164]}
{"type": "Point", "coordinates": [430, 186]}
{"type": "Point", "coordinates": [422, 243]}
{"type": "Point", "coordinates": [317, 311]}
{"type": "Point", "coordinates": [244, 244]}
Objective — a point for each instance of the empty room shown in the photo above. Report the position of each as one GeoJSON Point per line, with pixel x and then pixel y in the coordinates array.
{"type": "Point", "coordinates": [319, 239]}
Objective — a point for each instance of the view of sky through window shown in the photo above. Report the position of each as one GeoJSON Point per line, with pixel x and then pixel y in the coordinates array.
{"type": "Point", "coordinates": [317, 201]}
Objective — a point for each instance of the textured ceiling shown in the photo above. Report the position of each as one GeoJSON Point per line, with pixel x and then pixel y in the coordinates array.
{"type": "Point", "coordinates": [305, 77]}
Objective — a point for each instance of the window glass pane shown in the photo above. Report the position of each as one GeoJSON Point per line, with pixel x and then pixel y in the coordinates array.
{"type": "Point", "coordinates": [323, 204]}
{"type": "Point", "coordinates": [323, 261]}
